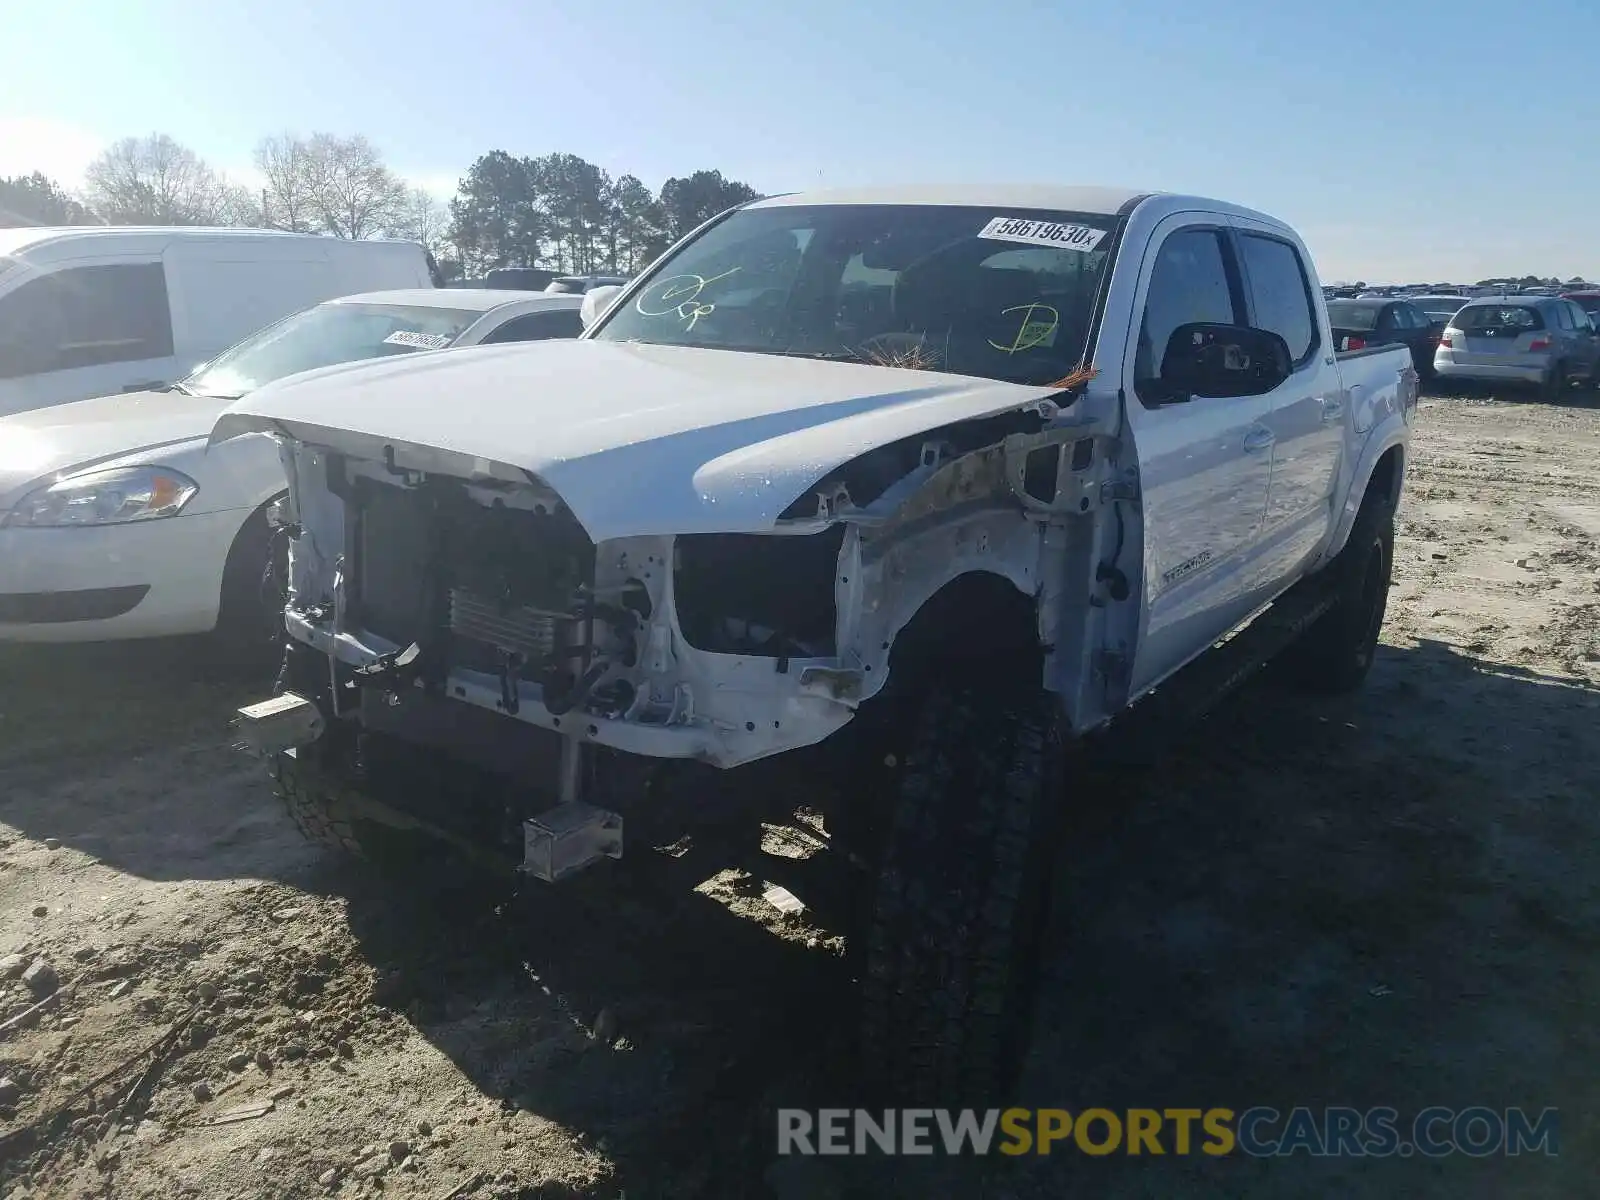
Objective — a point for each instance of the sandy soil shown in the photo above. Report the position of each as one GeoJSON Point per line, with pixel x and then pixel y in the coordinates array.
{"type": "Point", "coordinates": [1389, 899]}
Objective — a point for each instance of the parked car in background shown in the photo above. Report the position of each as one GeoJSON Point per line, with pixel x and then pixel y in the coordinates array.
{"type": "Point", "coordinates": [1589, 301]}
{"type": "Point", "coordinates": [1549, 343]}
{"type": "Point", "coordinates": [521, 279]}
{"type": "Point", "coordinates": [1358, 324]}
{"type": "Point", "coordinates": [577, 285]}
{"type": "Point", "coordinates": [88, 310]}
{"type": "Point", "coordinates": [115, 522]}
{"type": "Point", "coordinates": [1439, 307]}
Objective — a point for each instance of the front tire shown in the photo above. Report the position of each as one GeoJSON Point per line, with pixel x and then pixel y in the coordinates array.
{"type": "Point", "coordinates": [249, 634]}
{"type": "Point", "coordinates": [957, 910]}
{"type": "Point", "coordinates": [317, 802]}
{"type": "Point", "coordinates": [1335, 654]}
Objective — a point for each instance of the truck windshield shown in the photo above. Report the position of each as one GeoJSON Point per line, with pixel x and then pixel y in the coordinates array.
{"type": "Point", "coordinates": [1005, 295]}
{"type": "Point", "coordinates": [323, 337]}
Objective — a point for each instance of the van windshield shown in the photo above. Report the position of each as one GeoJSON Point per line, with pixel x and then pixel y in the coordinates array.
{"type": "Point", "coordinates": [1005, 295]}
{"type": "Point", "coordinates": [325, 336]}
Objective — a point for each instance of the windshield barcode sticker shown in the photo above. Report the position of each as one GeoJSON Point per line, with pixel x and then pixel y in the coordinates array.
{"type": "Point", "coordinates": [418, 341]}
{"type": "Point", "coordinates": [1042, 233]}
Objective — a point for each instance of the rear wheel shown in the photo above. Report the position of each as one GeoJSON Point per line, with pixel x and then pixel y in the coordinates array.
{"type": "Point", "coordinates": [1555, 383]}
{"type": "Point", "coordinates": [1335, 654]}
{"type": "Point", "coordinates": [957, 910]}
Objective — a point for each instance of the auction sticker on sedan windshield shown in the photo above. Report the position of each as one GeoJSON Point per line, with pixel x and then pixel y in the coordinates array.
{"type": "Point", "coordinates": [1042, 233]}
{"type": "Point", "coordinates": [418, 341]}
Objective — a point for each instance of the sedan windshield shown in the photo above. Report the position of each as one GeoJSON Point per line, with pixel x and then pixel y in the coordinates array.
{"type": "Point", "coordinates": [1006, 295]}
{"type": "Point", "coordinates": [325, 336]}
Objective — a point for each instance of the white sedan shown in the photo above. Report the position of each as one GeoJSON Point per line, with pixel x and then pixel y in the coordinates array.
{"type": "Point", "coordinates": [116, 521]}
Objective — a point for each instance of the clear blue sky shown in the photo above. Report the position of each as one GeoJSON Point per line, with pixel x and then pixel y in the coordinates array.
{"type": "Point", "coordinates": [1405, 138]}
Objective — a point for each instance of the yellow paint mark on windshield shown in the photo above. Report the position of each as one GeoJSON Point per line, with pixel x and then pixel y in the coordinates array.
{"type": "Point", "coordinates": [680, 294]}
{"type": "Point", "coordinates": [1038, 327]}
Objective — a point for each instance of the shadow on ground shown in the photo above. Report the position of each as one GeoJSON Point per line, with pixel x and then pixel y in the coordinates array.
{"type": "Point", "coordinates": [1385, 900]}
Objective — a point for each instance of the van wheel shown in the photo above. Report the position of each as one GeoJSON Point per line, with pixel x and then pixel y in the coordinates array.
{"type": "Point", "coordinates": [1335, 654]}
{"type": "Point", "coordinates": [1555, 383]}
{"type": "Point", "coordinates": [249, 634]}
{"type": "Point", "coordinates": [957, 910]}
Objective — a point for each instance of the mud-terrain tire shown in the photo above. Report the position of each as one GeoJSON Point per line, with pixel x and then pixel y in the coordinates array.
{"type": "Point", "coordinates": [952, 934]}
{"type": "Point", "coordinates": [310, 782]}
{"type": "Point", "coordinates": [1335, 654]}
{"type": "Point", "coordinates": [316, 801]}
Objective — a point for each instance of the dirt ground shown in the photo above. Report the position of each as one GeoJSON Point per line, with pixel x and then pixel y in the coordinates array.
{"type": "Point", "coordinates": [1389, 899]}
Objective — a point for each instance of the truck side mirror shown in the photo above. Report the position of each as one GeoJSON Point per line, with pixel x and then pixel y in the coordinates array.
{"type": "Point", "coordinates": [596, 301]}
{"type": "Point", "coordinates": [1204, 359]}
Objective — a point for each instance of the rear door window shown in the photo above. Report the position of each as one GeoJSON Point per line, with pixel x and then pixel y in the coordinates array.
{"type": "Point", "coordinates": [85, 317]}
{"type": "Point", "coordinates": [1280, 293]}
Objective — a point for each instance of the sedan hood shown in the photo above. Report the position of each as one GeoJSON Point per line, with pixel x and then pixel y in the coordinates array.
{"type": "Point", "coordinates": [636, 439]}
{"type": "Point", "coordinates": [41, 445]}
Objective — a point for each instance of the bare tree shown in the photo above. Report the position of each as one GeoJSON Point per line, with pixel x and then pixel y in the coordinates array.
{"type": "Point", "coordinates": [422, 218]}
{"type": "Point", "coordinates": [353, 195]}
{"type": "Point", "coordinates": [287, 201]}
{"type": "Point", "coordinates": [155, 180]}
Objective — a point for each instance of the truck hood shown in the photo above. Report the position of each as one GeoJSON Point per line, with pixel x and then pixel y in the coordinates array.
{"type": "Point", "coordinates": [636, 439]}
{"type": "Point", "coordinates": [42, 445]}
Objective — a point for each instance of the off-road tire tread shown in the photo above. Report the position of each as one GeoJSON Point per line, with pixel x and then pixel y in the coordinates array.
{"type": "Point", "coordinates": [1323, 660]}
{"type": "Point", "coordinates": [959, 904]}
{"type": "Point", "coordinates": [315, 801]}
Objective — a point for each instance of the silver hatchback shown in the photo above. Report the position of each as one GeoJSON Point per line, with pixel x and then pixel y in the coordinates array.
{"type": "Point", "coordinates": [1543, 341]}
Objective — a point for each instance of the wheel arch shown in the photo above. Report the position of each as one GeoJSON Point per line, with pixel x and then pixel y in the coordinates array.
{"type": "Point", "coordinates": [1382, 467]}
{"type": "Point", "coordinates": [978, 624]}
{"type": "Point", "coordinates": [235, 561]}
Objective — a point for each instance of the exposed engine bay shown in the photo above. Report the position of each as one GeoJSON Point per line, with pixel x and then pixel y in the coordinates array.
{"type": "Point", "coordinates": [724, 648]}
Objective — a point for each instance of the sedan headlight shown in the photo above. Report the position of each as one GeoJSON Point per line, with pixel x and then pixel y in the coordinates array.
{"type": "Point", "coordinates": [107, 498]}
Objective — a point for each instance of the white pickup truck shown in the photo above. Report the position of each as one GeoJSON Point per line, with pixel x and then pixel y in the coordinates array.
{"type": "Point", "coordinates": [914, 487]}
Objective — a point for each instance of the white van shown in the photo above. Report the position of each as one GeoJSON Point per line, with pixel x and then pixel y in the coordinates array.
{"type": "Point", "coordinates": [89, 310]}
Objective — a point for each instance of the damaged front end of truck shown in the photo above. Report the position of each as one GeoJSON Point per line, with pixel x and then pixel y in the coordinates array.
{"type": "Point", "coordinates": [459, 603]}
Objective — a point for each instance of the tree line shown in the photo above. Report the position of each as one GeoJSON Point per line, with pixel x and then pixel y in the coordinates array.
{"type": "Point", "coordinates": [554, 210]}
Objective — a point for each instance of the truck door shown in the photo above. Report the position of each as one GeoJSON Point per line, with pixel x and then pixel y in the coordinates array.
{"type": "Point", "coordinates": [1308, 413]}
{"type": "Point", "coordinates": [1204, 463]}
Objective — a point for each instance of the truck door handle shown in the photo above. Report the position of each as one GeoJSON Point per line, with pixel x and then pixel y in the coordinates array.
{"type": "Point", "coordinates": [1259, 438]}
